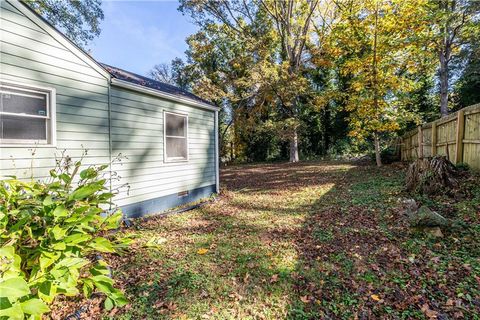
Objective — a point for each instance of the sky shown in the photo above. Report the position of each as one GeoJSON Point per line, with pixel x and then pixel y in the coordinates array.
{"type": "Point", "coordinates": [136, 35]}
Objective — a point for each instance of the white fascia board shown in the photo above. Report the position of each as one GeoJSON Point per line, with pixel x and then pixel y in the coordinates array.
{"type": "Point", "coordinates": [57, 35]}
{"type": "Point", "coordinates": [157, 93]}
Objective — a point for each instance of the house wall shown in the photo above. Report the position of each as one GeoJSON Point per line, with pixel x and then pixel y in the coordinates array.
{"type": "Point", "coordinates": [29, 55]}
{"type": "Point", "coordinates": [137, 134]}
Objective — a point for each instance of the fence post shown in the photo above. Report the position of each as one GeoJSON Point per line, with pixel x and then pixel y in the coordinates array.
{"type": "Point", "coordinates": [459, 137]}
{"type": "Point", "coordinates": [434, 138]}
{"type": "Point", "coordinates": [420, 142]}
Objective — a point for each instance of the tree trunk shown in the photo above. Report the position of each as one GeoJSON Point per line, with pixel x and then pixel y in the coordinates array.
{"type": "Point", "coordinates": [443, 85]}
{"type": "Point", "coordinates": [327, 129]}
{"type": "Point", "coordinates": [294, 146]}
{"type": "Point", "coordinates": [378, 157]}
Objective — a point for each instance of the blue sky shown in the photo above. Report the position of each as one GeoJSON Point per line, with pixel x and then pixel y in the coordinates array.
{"type": "Point", "coordinates": [136, 35]}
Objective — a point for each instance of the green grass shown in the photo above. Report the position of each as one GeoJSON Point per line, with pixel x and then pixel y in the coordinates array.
{"type": "Point", "coordinates": [305, 241]}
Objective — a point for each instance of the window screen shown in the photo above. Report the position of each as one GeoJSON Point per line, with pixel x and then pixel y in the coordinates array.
{"type": "Point", "coordinates": [24, 115]}
{"type": "Point", "coordinates": [176, 144]}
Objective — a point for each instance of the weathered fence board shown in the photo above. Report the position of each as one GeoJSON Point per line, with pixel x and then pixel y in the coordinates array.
{"type": "Point", "coordinates": [456, 136]}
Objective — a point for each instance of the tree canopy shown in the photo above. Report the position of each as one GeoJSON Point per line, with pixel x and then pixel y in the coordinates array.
{"type": "Point", "coordinates": [78, 20]}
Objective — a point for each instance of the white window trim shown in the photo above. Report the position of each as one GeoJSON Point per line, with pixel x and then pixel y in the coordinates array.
{"type": "Point", "coordinates": [51, 115]}
{"type": "Point", "coordinates": [165, 157]}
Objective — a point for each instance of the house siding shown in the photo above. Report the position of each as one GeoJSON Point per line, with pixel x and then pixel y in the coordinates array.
{"type": "Point", "coordinates": [30, 56]}
{"type": "Point", "coordinates": [89, 117]}
{"type": "Point", "coordinates": [137, 134]}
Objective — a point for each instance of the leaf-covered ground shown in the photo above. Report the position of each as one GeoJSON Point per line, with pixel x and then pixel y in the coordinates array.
{"type": "Point", "coordinates": [315, 240]}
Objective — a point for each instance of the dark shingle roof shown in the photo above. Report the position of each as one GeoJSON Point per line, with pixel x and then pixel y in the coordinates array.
{"type": "Point", "coordinates": [152, 84]}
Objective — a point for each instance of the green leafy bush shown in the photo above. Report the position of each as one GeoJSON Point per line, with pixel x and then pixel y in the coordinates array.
{"type": "Point", "coordinates": [462, 166]}
{"type": "Point", "coordinates": [50, 235]}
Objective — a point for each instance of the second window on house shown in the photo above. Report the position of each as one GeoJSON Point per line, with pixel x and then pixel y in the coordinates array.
{"type": "Point", "coordinates": [176, 137]}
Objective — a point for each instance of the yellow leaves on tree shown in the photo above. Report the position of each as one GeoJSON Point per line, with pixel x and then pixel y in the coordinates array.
{"type": "Point", "coordinates": [375, 48]}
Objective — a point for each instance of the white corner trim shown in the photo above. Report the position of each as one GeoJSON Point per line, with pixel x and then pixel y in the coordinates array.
{"type": "Point", "coordinates": [217, 155]}
{"type": "Point", "coordinates": [58, 36]}
{"type": "Point", "coordinates": [157, 93]}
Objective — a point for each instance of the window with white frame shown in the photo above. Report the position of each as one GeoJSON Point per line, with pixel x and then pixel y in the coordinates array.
{"type": "Point", "coordinates": [26, 115]}
{"type": "Point", "coordinates": [176, 137]}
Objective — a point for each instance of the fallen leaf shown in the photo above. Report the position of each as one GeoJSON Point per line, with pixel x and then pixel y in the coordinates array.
{"type": "Point", "coordinates": [450, 303]}
{"type": "Point", "coordinates": [202, 251]}
{"type": "Point", "coordinates": [431, 314]}
{"type": "Point", "coordinates": [171, 306]}
{"type": "Point", "coordinates": [375, 297]}
{"type": "Point", "coordinates": [305, 299]}
{"type": "Point", "coordinates": [274, 278]}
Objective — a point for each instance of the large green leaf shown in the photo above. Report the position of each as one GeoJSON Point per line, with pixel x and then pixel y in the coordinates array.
{"type": "Point", "coordinates": [108, 304]}
{"type": "Point", "coordinates": [119, 298]}
{"type": "Point", "coordinates": [101, 267]}
{"type": "Point", "coordinates": [88, 173]}
{"type": "Point", "coordinates": [47, 201]}
{"type": "Point", "coordinates": [84, 192]}
{"type": "Point", "coordinates": [72, 263]}
{"type": "Point", "coordinates": [87, 287]}
{"type": "Point", "coordinates": [15, 312]}
{"type": "Point", "coordinates": [101, 244]}
{"type": "Point", "coordinates": [65, 177]}
{"type": "Point", "coordinates": [104, 284]}
{"type": "Point", "coordinates": [76, 238]}
{"type": "Point", "coordinates": [14, 288]}
{"type": "Point", "coordinates": [7, 252]}
{"type": "Point", "coordinates": [113, 221]}
{"type": "Point", "coordinates": [60, 211]}
{"type": "Point", "coordinates": [58, 232]}
{"type": "Point", "coordinates": [5, 303]}
{"type": "Point", "coordinates": [48, 258]}
{"type": "Point", "coordinates": [60, 246]}
{"type": "Point", "coordinates": [47, 291]}
{"type": "Point", "coordinates": [34, 307]}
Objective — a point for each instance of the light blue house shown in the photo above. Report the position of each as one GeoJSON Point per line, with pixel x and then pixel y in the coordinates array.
{"type": "Point", "coordinates": [56, 97]}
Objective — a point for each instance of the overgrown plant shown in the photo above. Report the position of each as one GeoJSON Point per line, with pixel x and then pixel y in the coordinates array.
{"type": "Point", "coordinates": [50, 235]}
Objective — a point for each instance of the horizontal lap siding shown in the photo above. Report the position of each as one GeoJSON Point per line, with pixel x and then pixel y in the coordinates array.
{"type": "Point", "coordinates": [31, 56]}
{"type": "Point", "coordinates": [137, 134]}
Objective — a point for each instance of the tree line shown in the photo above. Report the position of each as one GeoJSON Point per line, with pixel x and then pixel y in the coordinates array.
{"type": "Point", "coordinates": [307, 78]}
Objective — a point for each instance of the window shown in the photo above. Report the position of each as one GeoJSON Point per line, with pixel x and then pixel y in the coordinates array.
{"type": "Point", "coordinates": [176, 137]}
{"type": "Point", "coordinates": [26, 115]}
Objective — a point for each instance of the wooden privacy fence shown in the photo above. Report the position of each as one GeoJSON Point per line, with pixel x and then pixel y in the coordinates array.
{"type": "Point", "coordinates": [456, 136]}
